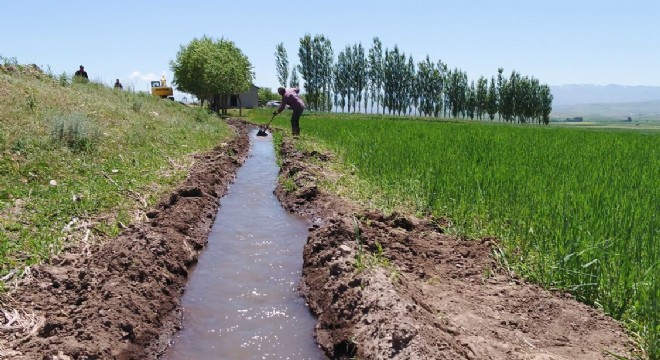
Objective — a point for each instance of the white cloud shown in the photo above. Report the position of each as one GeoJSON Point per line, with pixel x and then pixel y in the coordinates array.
{"type": "Point", "coordinates": [145, 77]}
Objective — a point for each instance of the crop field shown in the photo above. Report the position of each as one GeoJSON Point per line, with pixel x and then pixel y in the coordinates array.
{"type": "Point", "coordinates": [573, 209]}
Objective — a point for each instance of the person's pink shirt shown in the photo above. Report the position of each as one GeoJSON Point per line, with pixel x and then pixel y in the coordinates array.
{"type": "Point", "coordinates": [291, 97]}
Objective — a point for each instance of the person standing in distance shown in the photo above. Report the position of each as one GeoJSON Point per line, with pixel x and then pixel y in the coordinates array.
{"type": "Point", "coordinates": [292, 98]}
{"type": "Point", "coordinates": [82, 73]}
{"type": "Point", "coordinates": [118, 85]}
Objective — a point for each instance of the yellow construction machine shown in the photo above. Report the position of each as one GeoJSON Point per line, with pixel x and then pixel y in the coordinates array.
{"type": "Point", "coordinates": [160, 89]}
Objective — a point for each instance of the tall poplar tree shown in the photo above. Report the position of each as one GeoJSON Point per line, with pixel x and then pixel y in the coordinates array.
{"type": "Point", "coordinates": [545, 104]}
{"type": "Point", "coordinates": [359, 73]}
{"type": "Point", "coordinates": [295, 81]}
{"type": "Point", "coordinates": [394, 68]}
{"type": "Point", "coordinates": [306, 69]}
{"type": "Point", "coordinates": [281, 64]}
{"type": "Point", "coordinates": [481, 97]}
{"type": "Point", "coordinates": [491, 101]}
{"type": "Point", "coordinates": [376, 74]}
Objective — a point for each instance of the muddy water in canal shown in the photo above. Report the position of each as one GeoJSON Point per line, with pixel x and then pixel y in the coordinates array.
{"type": "Point", "coordinates": [242, 301]}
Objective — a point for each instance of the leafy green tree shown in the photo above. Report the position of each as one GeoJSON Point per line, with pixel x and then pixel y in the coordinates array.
{"type": "Point", "coordinates": [482, 97]}
{"type": "Point", "coordinates": [425, 70]}
{"type": "Point", "coordinates": [375, 73]}
{"type": "Point", "coordinates": [315, 68]}
{"type": "Point", "coordinates": [394, 68]}
{"type": "Point", "coordinates": [430, 84]}
{"type": "Point", "coordinates": [491, 101]}
{"type": "Point", "coordinates": [345, 72]}
{"type": "Point", "coordinates": [295, 81]}
{"type": "Point", "coordinates": [471, 100]}
{"type": "Point", "coordinates": [212, 69]}
{"type": "Point", "coordinates": [412, 92]}
{"type": "Point", "coordinates": [545, 103]}
{"type": "Point", "coordinates": [359, 74]}
{"type": "Point", "coordinates": [266, 94]}
{"type": "Point", "coordinates": [500, 84]}
{"type": "Point", "coordinates": [457, 92]}
{"type": "Point", "coordinates": [339, 81]}
{"type": "Point", "coordinates": [306, 68]}
{"type": "Point", "coordinates": [281, 64]}
{"type": "Point", "coordinates": [324, 57]}
{"type": "Point", "coordinates": [191, 60]}
{"type": "Point", "coordinates": [342, 79]}
{"type": "Point", "coordinates": [508, 96]}
{"type": "Point", "coordinates": [450, 90]}
{"type": "Point", "coordinates": [526, 99]}
{"type": "Point", "coordinates": [439, 89]}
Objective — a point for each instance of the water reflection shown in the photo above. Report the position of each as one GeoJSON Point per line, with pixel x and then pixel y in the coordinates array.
{"type": "Point", "coordinates": [241, 301]}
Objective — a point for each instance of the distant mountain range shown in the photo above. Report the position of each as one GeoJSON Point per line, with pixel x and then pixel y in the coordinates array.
{"type": "Point", "coordinates": [599, 94]}
{"type": "Point", "coordinates": [606, 101]}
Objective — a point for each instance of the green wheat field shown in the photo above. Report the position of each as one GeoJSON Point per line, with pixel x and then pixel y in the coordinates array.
{"type": "Point", "coordinates": [573, 209]}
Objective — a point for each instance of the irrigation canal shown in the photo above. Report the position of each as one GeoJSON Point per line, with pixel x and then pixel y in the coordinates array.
{"type": "Point", "coordinates": [241, 301]}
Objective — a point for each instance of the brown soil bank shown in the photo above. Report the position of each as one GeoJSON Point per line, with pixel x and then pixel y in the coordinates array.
{"type": "Point", "coordinates": [121, 300]}
{"type": "Point", "coordinates": [396, 287]}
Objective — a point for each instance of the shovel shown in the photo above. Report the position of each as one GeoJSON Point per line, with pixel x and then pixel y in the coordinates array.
{"type": "Point", "coordinates": [262, 130]}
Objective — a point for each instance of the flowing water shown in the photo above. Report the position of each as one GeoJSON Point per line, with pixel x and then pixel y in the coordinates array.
{"type": "Point", "coordinates": [241, 301]}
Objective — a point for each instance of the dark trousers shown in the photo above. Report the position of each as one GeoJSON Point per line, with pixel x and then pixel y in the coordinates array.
{"type": "Point", "coordinates": [295, 122]}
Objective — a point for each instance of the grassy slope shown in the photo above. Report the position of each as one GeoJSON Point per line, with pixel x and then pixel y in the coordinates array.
{"type": "Point", "coordinates": [52, 192]}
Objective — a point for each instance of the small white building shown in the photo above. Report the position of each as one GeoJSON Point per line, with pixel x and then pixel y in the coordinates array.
{"type": "Point", "coordinates": [248, 99]}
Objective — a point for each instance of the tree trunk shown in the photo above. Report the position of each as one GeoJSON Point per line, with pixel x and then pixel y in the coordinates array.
{"type": "Point", "coordinates": [215, 104]}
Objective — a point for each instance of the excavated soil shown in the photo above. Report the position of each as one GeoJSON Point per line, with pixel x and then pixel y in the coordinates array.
{"type": "Point", "coordinates": [397, 287]}
{"type": "Point", "coordinates": [382, 287]}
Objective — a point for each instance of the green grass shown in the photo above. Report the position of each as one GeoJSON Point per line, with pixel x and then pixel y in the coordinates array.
{"type": "Point", "coordinates": [86, 156]}
{"type": "Point", "coordinates": [574, 209]}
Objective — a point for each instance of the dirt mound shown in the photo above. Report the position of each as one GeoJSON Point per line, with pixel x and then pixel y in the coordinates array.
{"type": "Point", "coordinates": [396, 287]}
{"type": "Point", "coordinates": [120, 300]}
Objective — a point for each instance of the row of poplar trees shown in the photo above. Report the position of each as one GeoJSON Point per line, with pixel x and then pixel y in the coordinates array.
{"type": "Point", "coordinates": [373, 80]}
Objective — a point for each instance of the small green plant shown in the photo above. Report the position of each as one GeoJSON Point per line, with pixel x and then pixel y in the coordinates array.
{"type": "Point", "coordinates": [20, 145]}
{"type": "Point", "coordinates": [75, 131]}
{"type": "Point", "coordinates": [364, 259]}
{"type": "Point", "coordinates": [379, 253]}
{"type": "Point", "coordinates": [79, 80]}
{"type": "Point", "coordinates": [30, 101]}
{"type": "Point", "coordinates": [63, 79]}
{"type": "Point", "coordinates": [360, 256]}
{"type": "Point", "coordinates": [137, 105]}
{"type": "Point", "coordinates": [487, 274]}
{"type": "Point", "coordinates": [12, 61]}
{"type": "Point", "coordinates": [288, 184]}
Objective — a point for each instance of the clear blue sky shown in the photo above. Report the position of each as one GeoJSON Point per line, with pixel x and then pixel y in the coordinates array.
{"type": "Point", "coordinates": [559, 42]}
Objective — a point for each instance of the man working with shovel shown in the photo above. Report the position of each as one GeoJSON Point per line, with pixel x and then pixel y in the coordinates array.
{"type": "Point", "coordinates": [292, 98]}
